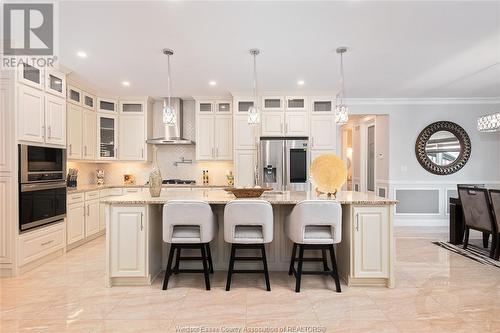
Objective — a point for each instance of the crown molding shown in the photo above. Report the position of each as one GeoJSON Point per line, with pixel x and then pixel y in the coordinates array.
{"type": "Point", "coordinates": [422, 101]}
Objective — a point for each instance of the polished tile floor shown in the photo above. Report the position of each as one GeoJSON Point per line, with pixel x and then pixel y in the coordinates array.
{"type": "Point", "coordinates": [436, 291]}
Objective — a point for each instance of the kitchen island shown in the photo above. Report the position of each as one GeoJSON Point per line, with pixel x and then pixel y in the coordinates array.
{"type": "Point", "coordinates": [136, 254]}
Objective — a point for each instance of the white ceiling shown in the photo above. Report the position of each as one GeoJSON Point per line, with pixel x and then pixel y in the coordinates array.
{"type": "Point", "coordinates": [397, 49]}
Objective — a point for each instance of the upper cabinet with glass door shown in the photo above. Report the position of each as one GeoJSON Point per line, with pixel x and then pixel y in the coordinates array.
{"type": "Point", "coordinates": [108, 105]}
{"type": "Point", "coordinates": [132, 107]}
{"type": "Point", "coordinates": [74, 95]}
{"type": "Point", "coordinates": [296, 103]}
{"type": "Point", "coordinates": [107, 137]}
{"type": "Point", "coordinates": [88, 101]}
{"type": "Point", "coordinates": [242, 104]}
{"type": "Point", "coordinates": [31, 76]}
{"type": "Point", "coordinates": [273, 103]}
{"type": "Point", "coordinates": [223, 106]}
{"type": "Point", "coordinates": [55, 82]}
{"type": "Point", "coordinates": [322, 105]}
{"type": "Point", "coordinates": [204, 107]}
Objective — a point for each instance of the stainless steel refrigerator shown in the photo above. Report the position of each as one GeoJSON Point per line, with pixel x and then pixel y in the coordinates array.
{"type": "Point", "coordinates": [284, 163]}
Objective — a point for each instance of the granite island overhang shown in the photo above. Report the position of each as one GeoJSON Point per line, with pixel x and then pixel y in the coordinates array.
{"type": "Point", "coordinates": [136, 254]}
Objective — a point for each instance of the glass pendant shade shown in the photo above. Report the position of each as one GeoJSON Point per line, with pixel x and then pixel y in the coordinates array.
{"type": "Point", "coordinates": [489, 123]}
{"type": "Point", "coordinates": [253, 115]}
{"type": "Point", "coordinates": [169, 116]}
{"type": "Point", "coordinates": [341, 114]}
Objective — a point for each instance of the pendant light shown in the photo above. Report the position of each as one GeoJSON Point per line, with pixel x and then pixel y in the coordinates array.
{"type": "Point", "coordinates": [169, 117]}
{"type": "Point", "coordinates": [489, 123]}
{"type": "Point", "coordinates": [253, 111]}
{"type": "Point", "coordinates": [341, 110]}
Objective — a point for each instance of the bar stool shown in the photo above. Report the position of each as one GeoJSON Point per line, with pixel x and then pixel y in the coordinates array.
{"type": "Point", "coordinates": [188, 224]}
{"type": "Point", "coordinates": [248, 224]}
{"type": "Point", "coordinates": [314, 225]}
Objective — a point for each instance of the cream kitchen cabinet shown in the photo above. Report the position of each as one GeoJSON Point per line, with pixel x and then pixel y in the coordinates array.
{"type": "Point", "coordinates": [128, 242]}
{"type": "Point", "coordinates": [132, 138]}
{"type": "Point", "coordinates": [55, 120]}
{"type": "Point", "coordinates": [284, 124]}
{"type": "Point", "coordinates": [323, 132]}
{"type": "Point", "coordinates": [75, 225]}
{"type": "Point", "coordinates": [245, 135]}
{"type": "Point", "coordinates": [89, 141]}
{"type": "Point", "coordinates": [132, 107]}
{"type": "Point", "coordinates": [31, 116]}
{"type": "Point", "coordinates": [55, 83]}
{"type": "Point", "coordinates": [107, 137]}
{"type": "Point", "coordinates": [7, 131]}
{"type": "Point", "coordinates": [75, 131]}
{"type": "Point", "coordinates": [31, 76]}
{"type": "Point", "coordinates": [74, 95]}
{"type": "Point", "coordinates": [272, 103]}
{"type": "Point", "coordinates": [205, 137]}
{"type": "Point", "coordinates": [371, 242]}
{"type": "Point", "coordinates": [6, 217]}
{"type": "Point", "coordinates": [242, 104]}
{"type": "Point", "coordinates": [105, 193]}
{"type": "Point", "coordinates": [41, 117]}
{"type": "Point", "coordinates": [91, 217]}
{"type": "Point", "coordinates": [107, 105]}
{"type": "Point", "coordinates": [322, 105]}
{"type": "Point", "coordinates": [213, 131]}
{"type": "Point", "coordinates": [244, 166]}
{"type": "Point", "coordinates": [38, 243]}
{"type": "Point", "coordinates": [88, 101]}
{"type": "Point", "coordinates": [296, 103]}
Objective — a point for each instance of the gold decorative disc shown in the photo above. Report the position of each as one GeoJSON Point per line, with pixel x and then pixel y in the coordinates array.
{"type": "Point", "coordinates": [328, 173]}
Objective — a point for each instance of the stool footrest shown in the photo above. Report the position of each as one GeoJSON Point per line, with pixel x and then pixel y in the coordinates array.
{"type": "Point", "coordinates": [188, 270]}
{"type": "Point", "coordinates": [248, 271]}
{"type": "Point", "coordinates": [248, 258]}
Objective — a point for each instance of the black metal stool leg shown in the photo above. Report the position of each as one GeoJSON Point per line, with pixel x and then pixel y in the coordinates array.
{"type": "Point", "coordinates": [325, 260]}
{"type": "Point", "coordinates": [168, 271]}
{"type": "Point", "coordinates": [231, 267]}
{"type": "Point", "coordinates": [298, 275]}
{"type": "Point", "coordinates": [292, 260]}
{"type": "Point", "coordinates": [210, 263]}
{"type": "Point", "coordinates": [266, 272]}
{"type": "Point", "coordinates": [466, 238]}
{"type": "Point", "coordinates": [204, 260]}
{"type": "Point", "coordinates": [335, 272]}
{"type": "Point", "coordinates": [177, 260]}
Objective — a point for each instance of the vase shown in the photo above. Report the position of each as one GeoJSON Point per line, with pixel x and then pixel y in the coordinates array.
{"type": "Point", "coordinates": [155, 180]}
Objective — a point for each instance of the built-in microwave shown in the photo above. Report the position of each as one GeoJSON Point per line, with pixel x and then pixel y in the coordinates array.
{"type": "Point", "coordinates": [41, 164]}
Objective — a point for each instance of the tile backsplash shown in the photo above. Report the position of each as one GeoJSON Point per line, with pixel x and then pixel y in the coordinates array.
{"type": "Point", "coordinates": [167, 155]}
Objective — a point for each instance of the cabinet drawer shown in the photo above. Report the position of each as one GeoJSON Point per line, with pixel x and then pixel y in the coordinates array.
{"type": "Point", "coordinates": [36, 244]}
{"type": "Point", "coordinates": [115, 191]}
{"type": "Point", "coordinates": [132, 190]}
{"type": "Point", "coordinates": [91, 195]}
{"type": "Point", "coordinates": [75, 197]}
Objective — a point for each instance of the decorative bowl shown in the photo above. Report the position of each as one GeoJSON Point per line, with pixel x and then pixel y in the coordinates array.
{"type": "Point", "coordinates": [251, 192]}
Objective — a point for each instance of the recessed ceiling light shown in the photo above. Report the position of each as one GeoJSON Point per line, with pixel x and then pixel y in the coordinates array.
{"type": "Point", "coordinates": [81, 54]}
{"type": "Point", "coordinates": [212, 83]}
{"type": "Point", "coordinates": [126, 83]}
{"type": "Point", "coordinates": [300, 82]}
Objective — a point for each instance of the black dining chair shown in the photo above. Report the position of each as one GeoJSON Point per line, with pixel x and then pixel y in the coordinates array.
{"type": "Point", "coordinates": [495, 205]}
{"type": "Point", "coordinates": [478, 214]}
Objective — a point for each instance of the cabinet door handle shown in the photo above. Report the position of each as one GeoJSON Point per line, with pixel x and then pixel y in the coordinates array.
{"type": "Point", "coordinates": [43, 131]}
{"type": "Point", "coordinates": [213, 155]}
{"type": "Point", "coordinates": [357, 221]}
{"type": "Point", "coordinates": [88, 210]}
{"type": "Point", "coordinates": [50, 131]}
{"type": "Point", "coordinates": [115, 153]}
{"type": "Point", "coordinates": [312, 141]}
{"type": "Point", "coordinates": [141, 222]}
{"type": "Point", "coordinates": [70, 149]}
{"type": "Point", "coordinates": [47, 243]}
{"type": "Point", "coordinates": [142, 152]}
{"type": "Point", "coordinates": [281, 127]}
{"type": "Point", "coordinates": [85, 150]}
{"type": "Point", "coordinates": [217, 152]}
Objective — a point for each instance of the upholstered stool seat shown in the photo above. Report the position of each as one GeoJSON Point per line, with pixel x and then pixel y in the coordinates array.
{"type": "Point", "coordinates": [188, 224]}
{"type": "Point", "coordinates": [248, 224]}
{"type": "Point", "coordinates": [314, 225]}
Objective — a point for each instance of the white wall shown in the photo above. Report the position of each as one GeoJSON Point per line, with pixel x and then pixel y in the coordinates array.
{"type": "Point", "coordinates": [405, 173]}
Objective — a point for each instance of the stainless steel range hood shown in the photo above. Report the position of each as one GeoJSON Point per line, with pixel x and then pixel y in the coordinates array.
{"type": "Point", "coordinates": [170, 135]}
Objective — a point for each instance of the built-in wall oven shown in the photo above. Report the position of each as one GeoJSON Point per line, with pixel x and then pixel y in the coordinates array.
{"type": "Point", "coordinates": [42, 186]}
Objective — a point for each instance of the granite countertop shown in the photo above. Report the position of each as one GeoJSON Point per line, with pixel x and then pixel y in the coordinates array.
{"type": "Point", "coordinates": [93, 187]}
{"type": "Point", "coordinates": [222, 197]}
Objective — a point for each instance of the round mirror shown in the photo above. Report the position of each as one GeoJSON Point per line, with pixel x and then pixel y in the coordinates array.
{"type": "Point", "coordinates": [443, 148]}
